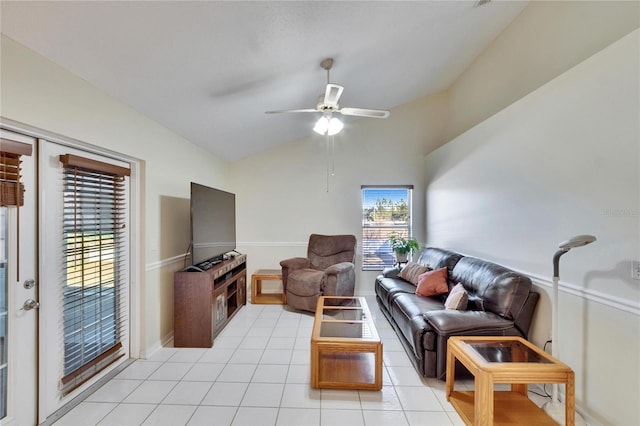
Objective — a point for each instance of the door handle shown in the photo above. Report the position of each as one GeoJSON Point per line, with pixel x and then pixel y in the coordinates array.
{"type": "Point", "coordinates": [30, 304]}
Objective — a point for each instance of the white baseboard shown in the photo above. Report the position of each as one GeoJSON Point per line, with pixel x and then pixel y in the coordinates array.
{"type": "Point", "coordinates": [166, 342]}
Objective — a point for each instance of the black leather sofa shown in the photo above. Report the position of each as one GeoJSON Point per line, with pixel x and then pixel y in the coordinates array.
{"type": "Point", "coordinates": [501, 303]}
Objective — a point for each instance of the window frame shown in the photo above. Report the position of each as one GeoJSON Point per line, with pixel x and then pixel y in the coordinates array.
{"type": "Point", "coordinates": [383, 251]}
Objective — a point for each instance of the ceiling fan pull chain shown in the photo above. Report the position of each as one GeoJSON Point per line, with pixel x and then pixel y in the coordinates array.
{"type": "Point", "coordinates": [328, 162]}
{"type": "Point", "coordinates": [331, 166]}
{"type": "Point", "coordinates": [333, 156]}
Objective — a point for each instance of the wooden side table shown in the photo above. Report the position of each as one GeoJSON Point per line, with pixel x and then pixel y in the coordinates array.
{"type": "Point", "coordinates": [260, 298]}
{"type": "Point", "coordinates": [511, 360]}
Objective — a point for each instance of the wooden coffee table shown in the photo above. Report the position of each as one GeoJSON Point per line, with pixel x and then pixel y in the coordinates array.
{"type": "Point", "coordinates": [346, 351]}
{"type": "Point", "coordinates": [511, 360]}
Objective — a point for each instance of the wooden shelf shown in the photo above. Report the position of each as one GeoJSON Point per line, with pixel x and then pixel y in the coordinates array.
{"type": "Point", "coordinates": [347, 370]}
{"type": "Point", "coordinates": [269, 299]}
{"type": "Point", "coordinates": [510, 408]}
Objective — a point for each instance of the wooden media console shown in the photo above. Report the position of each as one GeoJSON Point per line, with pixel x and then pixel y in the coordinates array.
{"type": "Point", "coordinates": [205, 301]}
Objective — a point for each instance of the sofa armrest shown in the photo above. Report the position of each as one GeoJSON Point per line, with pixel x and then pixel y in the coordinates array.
{"type": "Point", "coordinates": [339, 268]}
{"type": "Point", "coordinates": [454, 323]}
{"type": "Point", "coordinates": [295, 263]}
{"type": "Point", "coordinates": [339, 280]}
{"type": "Point", "coordinates": [391, 272]}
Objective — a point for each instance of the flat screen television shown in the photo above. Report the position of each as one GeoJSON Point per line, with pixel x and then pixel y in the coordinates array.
{"type": "Point", "coordinates": [213, 224]}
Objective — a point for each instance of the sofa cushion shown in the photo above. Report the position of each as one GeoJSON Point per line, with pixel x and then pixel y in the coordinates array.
{"type": "Point", "coordinates": [459, 323]}
{"type": "Point", "coordinates": [457, 298]}
{"type": "Point", "coordinates": [305, 282]}
{"type": "Point", "coordinates": [494, 288]}
{"type": "Point", "coordinates": [407, 310]}
{"type": "Point", "coordinates": [388, 288]}
{"type": "Point", "coordinates": [436, 258]}
{"type": "Point", "coordinates": [432, 283]}
{"type": "Point", "coordinates": [411, 272]}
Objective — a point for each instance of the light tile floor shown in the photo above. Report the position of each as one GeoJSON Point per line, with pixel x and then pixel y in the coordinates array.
{"type": "Point", "coordinates": [258, 373]}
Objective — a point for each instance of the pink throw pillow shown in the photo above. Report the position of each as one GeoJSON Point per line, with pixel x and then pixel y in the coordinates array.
{"type": "Point", "coordinates": [432, 283]}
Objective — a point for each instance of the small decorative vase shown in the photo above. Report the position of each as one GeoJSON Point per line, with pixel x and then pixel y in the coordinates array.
{"type": "Point", "coordinates": [402, 257]}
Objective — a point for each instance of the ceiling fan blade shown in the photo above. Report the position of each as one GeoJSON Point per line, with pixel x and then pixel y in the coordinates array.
{"type": "Point", "coordinates": [361, 112]}
{"type": "Point", "coordinates": [291, 110]}
{"type": "Point", "coordinates": [332, 94]}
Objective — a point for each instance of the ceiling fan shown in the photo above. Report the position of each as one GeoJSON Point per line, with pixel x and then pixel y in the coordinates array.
{"type": "Point", "coordinates": [328, 105]}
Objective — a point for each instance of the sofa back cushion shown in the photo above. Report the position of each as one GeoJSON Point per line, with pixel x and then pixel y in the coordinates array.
{"type": "Point", "coordinates": [492, 287]}
{"type": "Point", "coordinates": [436, 258]}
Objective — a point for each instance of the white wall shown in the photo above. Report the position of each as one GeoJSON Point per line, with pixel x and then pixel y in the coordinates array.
{"type": "Point", "coordinates": [38, 93]}
{"type": "Point", "coordinates": [546, 39]}
{"type": "Point", "coordinates": [282, 196]}
{"type": "Point", "coordinates": [562, 161]}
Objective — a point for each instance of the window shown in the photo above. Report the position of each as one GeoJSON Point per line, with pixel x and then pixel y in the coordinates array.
{"type": "Point", "coordinates": [385, 210]}
{"type": "Point", "coordinates": [94, 242]}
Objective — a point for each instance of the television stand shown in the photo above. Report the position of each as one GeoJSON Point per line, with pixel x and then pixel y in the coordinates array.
{"type": "Point", "coordinates": [192, 269]}
{"type": "Point", "coordinates": [203, 266]}
{"type": "Point", "coordinates": [205, 300]}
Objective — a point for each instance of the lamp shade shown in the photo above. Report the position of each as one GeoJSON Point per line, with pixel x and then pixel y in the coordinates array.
{"type": "Point", "coordinates": [579, 241]}
{"type": "Point", "coordinates": [321, 125]}
{"type": "Point", "coordinates": [335, 126]}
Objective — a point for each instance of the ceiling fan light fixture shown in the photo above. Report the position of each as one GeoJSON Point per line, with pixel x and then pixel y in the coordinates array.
{"type": "Point", "coordinates": [328, 126]}
{"type": "Point", "coordinates": [327, 104]}
{"type": "Point", "coordinates": [335, 126]}
{"type": "Point", "coordinates": [322, 125]}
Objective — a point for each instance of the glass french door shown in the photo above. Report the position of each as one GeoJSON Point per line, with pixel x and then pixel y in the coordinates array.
{"type": "Point", "coordinates": [84, 325]}
{"type": "Point", "coordinates": [19, 300]}
{"type": "Point", "coordinates": [34, 299]}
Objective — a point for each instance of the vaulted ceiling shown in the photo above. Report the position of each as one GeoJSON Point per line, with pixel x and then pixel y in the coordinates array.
{"type": "Point", "coordinates": [208, 70]}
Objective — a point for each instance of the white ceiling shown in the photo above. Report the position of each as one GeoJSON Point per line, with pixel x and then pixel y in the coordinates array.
{"type": "Point", "coordinates": [208, 70]}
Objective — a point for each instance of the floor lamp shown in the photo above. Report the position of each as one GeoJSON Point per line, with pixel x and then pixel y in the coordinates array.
{"type": "Point", "coordinates": [554, 408]}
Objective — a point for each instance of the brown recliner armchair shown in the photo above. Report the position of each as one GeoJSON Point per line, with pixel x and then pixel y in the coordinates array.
{"type": "Point", "coordinates": [328, 270]}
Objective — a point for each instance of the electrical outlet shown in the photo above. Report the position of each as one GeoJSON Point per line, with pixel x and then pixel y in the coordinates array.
{"type": "Point", "coordinates": [635, 270]}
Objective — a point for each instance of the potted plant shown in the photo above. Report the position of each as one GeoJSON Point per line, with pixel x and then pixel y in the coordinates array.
{"type": "Point", "coordinates": [403, 247]}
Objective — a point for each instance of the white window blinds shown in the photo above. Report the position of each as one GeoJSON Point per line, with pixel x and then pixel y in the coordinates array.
{"type": "Point", "coordinates": [94, 224]}
{"type": "Point", "coordinates": [386, 210]}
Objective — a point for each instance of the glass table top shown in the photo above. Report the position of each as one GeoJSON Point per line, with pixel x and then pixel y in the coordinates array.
{"type": "Point", "coordinates": [349, 302]}
{"type": "Point", "coordinates": [341, 314]}
{"type": "Point", "coordinates": [507, 352]}
{"type": "Point", "coordinates": [345, 317]}
{"type": "Point", "coordinates": [351, 330]}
